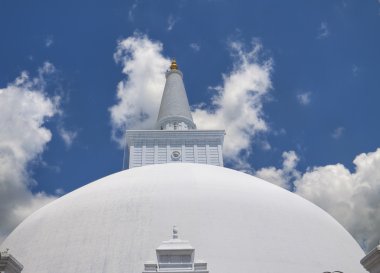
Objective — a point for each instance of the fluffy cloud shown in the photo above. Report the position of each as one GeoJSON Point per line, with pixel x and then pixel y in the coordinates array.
{"type": "Point", "coordinates": [67, 136]}
{"type": "Point", "coordinates": [351, 197]}
{"type": "Point", "coordinates": [238, 102]}
{"type": "Point", "coordinates": [304, 98]}
{"type": "Point", "coordinates": [139, 95]}
{"type": "Point", "coordinates": [236, 105]}
{"type": "Point", "coordinates": [284, 176]}
{"type": "Point", "coordinates": [24, 108]}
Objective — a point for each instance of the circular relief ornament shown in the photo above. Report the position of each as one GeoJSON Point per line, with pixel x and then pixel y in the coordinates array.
{"type": "Point", "coordinates": [176, 155]}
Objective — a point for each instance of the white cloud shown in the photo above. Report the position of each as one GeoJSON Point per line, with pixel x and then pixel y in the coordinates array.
{"type": "Point", "coordinates": [236, 105]}
{"type": "Point", "coordinates": [47, 68]}
{"type": "Point", "coordinates": [323, 31]}
{"type": "Point", "coordinates": [49, 41]}
{"type": "Point", "coordinates": [338, 132]}
{"type": "Point", "coordinates": [131, 11]}
{"type": "Point", "coordinates": [67, 136]}
{"type": "Point", "coordinates": [304, 98]}
{"type": "Point", "coordinates": [139, 95]}
{"type": "Point", "coordinates": [351, 197]}
{"type": "Point", "coordinates": [284, 176]}
{"type": "Point", "coordinates": [24, 108]}
{"type": "Point", "coordinates": [171, 22]}
{"type": "Point", "coordinates": [196, 47]}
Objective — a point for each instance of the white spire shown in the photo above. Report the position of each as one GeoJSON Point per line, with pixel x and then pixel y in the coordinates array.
{"type": "Point", "coordinates": [174, 111]}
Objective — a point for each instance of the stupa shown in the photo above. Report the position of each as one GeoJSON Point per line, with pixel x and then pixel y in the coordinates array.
{"type": "Point", "coordinates": [234, 221]}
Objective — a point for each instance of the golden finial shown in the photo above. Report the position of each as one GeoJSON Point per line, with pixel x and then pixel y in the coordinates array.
{"type": "Point", "coordinates": [173, 65]}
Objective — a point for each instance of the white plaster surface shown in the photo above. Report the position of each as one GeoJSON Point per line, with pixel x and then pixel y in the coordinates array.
{"type": "Point", "coordinates": [236, 222]}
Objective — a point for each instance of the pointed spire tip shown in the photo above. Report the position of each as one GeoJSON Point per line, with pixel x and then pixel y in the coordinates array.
{"type": "Point", "coordinates": [175, 232]}
{"type": "Point", "coordinates": [173, 65]}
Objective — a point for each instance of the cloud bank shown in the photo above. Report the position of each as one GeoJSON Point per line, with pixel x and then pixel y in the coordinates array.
{"type": "Point", "coordinates": [139, 94]}
{"type": "Point", "coordinates": [24, 109]}
{"type": "Point", "coordinates": [351, 197]}
{"type": "Point", "coordinates": [235, 106]}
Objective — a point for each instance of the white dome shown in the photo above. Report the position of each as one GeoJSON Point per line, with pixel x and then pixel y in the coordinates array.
{"type": "Point", "coordinates": [236, 222]}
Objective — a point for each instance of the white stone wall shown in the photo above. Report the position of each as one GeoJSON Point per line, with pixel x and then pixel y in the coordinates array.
{"type": "Point", "coordinates": [163, 146]}
{"type": "Point", "coordinates": [371, 261]}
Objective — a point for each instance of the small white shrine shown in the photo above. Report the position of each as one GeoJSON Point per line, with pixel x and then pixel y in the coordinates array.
{"type": "Point", "coordinates": [8, 263]}
{"type": "Point", "coordinates": [371, 261]}
{"type": "Point", "coordinates": [177, 256]}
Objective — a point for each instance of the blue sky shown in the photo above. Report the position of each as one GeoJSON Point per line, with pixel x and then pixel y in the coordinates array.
{"type": "Point", "coordinates": [321, 109]}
